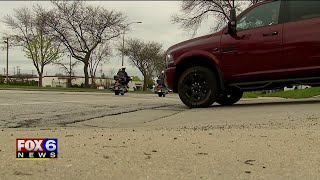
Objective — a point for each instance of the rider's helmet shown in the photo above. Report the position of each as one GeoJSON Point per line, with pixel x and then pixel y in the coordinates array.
{"type": "Point", "coordinates": [123, 68]}
{"type": "Point", "coordinates": [162, 72]}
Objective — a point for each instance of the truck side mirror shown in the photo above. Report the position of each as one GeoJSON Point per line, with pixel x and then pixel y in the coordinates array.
{"type": "Point", "coordinates": [232, 25]}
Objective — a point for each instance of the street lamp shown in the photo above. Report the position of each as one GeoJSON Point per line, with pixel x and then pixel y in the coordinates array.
{"type": "Point", "coordinates": [123, 39]}
{"type": "Point", "coordinates": [7, 42]}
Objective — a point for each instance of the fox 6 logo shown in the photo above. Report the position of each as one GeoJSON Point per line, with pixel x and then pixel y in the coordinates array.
{"type": "Point", "coordinates": [37, 145]}
{"type": "Point", "coordinates": [37, 148]}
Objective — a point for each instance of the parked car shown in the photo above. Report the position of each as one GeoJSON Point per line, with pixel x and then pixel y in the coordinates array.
{"type": "Point", "coordinates": [270, 45]}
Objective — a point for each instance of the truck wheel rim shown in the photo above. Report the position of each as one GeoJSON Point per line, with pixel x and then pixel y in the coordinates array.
{"type": "Point", "coordinates": [195, 86]}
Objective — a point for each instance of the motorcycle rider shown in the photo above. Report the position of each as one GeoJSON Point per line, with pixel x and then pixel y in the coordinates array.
{"type": "Point", "coordinates": [160, 85]}
{"type": "Point", "coordinates": [160, 80]}
{"type": "Point", "coordinates": [122, 73]}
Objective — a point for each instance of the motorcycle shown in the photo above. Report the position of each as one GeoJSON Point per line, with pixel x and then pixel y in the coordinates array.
{"type": "Point", "coordinates": [120, 86]}
{"type": "Point", "coordinates": [161, 90]}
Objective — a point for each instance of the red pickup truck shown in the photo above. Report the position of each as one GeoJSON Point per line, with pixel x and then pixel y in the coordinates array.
{"type": "Point", "coordinates": [272, 44]}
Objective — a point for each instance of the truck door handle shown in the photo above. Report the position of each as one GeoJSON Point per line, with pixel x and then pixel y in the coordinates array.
{"type": "Point", "coordinates": [271, 34]}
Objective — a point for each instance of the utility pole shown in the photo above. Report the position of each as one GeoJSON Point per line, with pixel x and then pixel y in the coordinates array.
{"type": "Point", "coordinates": [70, 73]}
{"type": "Point", "coordinates": [7, 77]}
{"type": "Point", "coordinates": [4, 71]}
{"type": "Point", "coordinates": [123, 41]}
{"type": "Point", "coordinates": [122, 48]}
{"type": "Point", "coordinates": [70, 68]}
{"type": "Point", "coordinates": [100, 70]}
{"type": "Point", "coordinates": [14, 71]}
{"type": "Point", "coordinates": [18, 70]}
{"type": "Point", "coordinates": [101, 74]}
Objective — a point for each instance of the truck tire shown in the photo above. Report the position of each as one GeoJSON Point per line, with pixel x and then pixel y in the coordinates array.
{"type": "Point", "coordinates": [198, 87]}
{"type": "Point", "coordinates": [230, 97]}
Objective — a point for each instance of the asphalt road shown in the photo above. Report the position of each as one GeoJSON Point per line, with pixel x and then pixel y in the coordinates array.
{"type": "Point", "coordinates": [142, 136]}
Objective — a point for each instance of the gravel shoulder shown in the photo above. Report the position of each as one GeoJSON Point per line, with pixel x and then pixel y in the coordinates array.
{"type": "Point", "coordinates": [168, 154]}
{"type": "Point", "coordinates": [138, 136]}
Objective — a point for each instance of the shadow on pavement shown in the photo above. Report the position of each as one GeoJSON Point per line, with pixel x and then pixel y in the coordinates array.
{"type": "Point", "coordinates": [266, 103]}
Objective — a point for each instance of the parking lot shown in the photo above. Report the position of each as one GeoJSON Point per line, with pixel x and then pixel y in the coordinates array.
{"type": "Point", "coordinates": [142, 136]}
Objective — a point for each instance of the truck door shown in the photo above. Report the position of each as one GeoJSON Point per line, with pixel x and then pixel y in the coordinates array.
{"type": "Point", "coordinates": [255, 51]}
{"type": "Point", "coordinates": [301, 38]}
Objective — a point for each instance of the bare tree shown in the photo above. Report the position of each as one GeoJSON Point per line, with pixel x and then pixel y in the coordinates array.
{"type": "Point", "coordinates": [81, 28]}
{"type": "Point", "coordinates": [100, 55]}
{"type": "Point", "coordinates": [42, 52]}
{"type": "Point", "coordinates": [112, 72]}
{"type": "Point", "coordinates": [143, 56]}
{"type": "Point", "coordinates": [194, 12]}
{"type": "Point", "coordinates": [27, 31]}
{"type": "Point", "coordinates": [68, 69]}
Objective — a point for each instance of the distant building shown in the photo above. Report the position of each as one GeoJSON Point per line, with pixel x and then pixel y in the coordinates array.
{"type": "Point", "coordinates": [62, 81]}
{"type": "Point", "coordinates": [296, 87]}
{"type": "Point", "coordinates": [136, 86]}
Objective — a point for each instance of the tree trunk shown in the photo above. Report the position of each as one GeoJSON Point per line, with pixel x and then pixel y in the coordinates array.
{"type": "Point", "coordinates": [85, 69]}
{"type": "Point", "coordinates": [93, 83]}
{"type": "Point", "coordinates": [40, 80]}
{"type": "Point", "coordinates": [69, 82]}
{"type": "Point", "coordinates": [86, 74]}
{"type": "Point", "coordinates": [145, 83]}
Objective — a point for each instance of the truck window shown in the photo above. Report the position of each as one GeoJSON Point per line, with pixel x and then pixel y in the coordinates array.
{"type": "Point", "coordinates": [301, 10]}
{"type": "Point", "coordinates": [264, 15]}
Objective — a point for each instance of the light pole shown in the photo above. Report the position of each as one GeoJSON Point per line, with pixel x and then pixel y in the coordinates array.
{"type": "Point", "coordinates": [70, 66]}
{"type": "Point", "coordinates": [123, 40]}
{"type": "Point", "coordinates": [70, 72]}
{"type": "Point", "coordinates": [7, 41]}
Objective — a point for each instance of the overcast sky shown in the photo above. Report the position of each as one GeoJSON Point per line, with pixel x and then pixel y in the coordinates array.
{"type": "Point", "coordinates": [156, 26]}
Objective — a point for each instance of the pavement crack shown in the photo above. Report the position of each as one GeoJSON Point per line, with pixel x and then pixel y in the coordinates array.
{"type": "Point", "coordinates": [163, 117]}
{"type": "Point", "coordinates": [113, 114]}
{"type": "Point", "coordinates": [249, 162]}
{"type": "Point", "coordinates": [18, 173]}
{"type": "Point", "coordinates": [27, 123]}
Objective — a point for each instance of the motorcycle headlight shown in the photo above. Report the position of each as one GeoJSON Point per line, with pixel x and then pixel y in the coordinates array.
{"type": "Point", "coordinates": [169, 60]}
